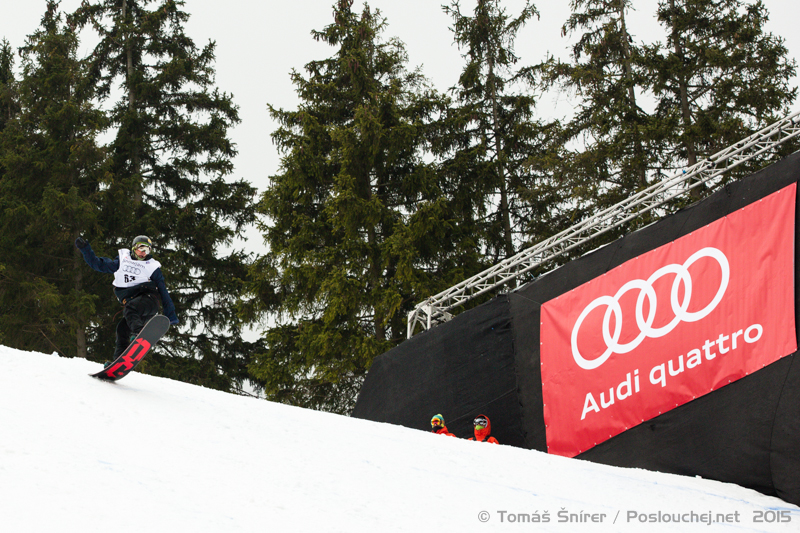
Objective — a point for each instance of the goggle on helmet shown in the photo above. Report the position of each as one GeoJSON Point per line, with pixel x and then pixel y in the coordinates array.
{"type": "Point", "coordinates": [142, 242]}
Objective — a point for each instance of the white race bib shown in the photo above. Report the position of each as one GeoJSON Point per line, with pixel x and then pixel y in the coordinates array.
{"type": "Point", "coordinates": [132, 272]}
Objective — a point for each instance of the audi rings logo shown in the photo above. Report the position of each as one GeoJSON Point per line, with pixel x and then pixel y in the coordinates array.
{"type": "Point", "coordinates": [645, 288]}
{"type": "Point", "coordinates": [130, 269]}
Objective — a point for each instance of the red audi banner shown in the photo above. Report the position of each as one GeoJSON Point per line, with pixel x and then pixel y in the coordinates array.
{"type": "Point", "coordinates": [669, 326]}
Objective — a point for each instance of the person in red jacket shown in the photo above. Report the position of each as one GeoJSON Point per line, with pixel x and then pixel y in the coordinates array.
{"type": "Point", "coordinates": [438, 427]}
{"type": "Point", "coordinates": [482, 429]}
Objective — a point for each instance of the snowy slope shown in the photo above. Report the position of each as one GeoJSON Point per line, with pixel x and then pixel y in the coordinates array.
{"type": "Point", "coordinates": [150, 454]}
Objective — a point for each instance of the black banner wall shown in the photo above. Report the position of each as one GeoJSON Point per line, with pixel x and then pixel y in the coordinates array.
{"type": "Point", "coordinates": [487, 361]}
{"type": "Point", "coordinates": [460, 370]}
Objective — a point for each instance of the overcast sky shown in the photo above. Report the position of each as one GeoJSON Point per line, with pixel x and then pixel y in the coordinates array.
{"type": "Point", "coordinates": [259, 43]}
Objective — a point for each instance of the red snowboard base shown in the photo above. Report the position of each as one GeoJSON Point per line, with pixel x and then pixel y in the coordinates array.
{"type": "Point", "coordinates": [155, 328]}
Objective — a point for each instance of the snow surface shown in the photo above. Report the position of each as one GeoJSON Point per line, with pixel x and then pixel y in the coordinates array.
{"type": "Point", "coordinates": [151, 454]}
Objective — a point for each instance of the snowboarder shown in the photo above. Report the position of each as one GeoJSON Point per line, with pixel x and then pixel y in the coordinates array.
{"type": "Point", "coordinates": [137, 282]}
{"type": "Point", "coordinates": [438, 427]}
{"type": "Point", "coordinates": [482, 430]}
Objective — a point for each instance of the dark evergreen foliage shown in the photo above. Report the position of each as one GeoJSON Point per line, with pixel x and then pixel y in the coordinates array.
{"type": "Point", "coordinates": [171, 157]}
{"type": "Point", "coordinates": [54, 179]}
{"type": "Point", "coordinates": [388, 192]}
{"type": "Point", "coordinates": [494, 142]}
{"type": "Point", "coordinates": [609, 145]}
{"type": "Point", "coordinates": [358, 225]}
{"type": "Point", "coordinates": [8, 98]}
{"type": "Point", "coordinates": [718, 78]}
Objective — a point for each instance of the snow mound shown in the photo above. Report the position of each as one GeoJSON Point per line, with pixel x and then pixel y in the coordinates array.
{"type": "Point", "coordinates": [151, 454]}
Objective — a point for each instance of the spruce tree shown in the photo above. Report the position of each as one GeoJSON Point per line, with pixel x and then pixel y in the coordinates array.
{"type": "Point", "coordinates": [8, 100]}
{"type": "Point", "coordinates": [718, 78]}
{"type": "Point", "coordinates": [358, 226]}
{"type": "Point", "coordinates": [8, 108]}
{"type": "Point", "coordinates": [608, 144]}
{"type": "Point", "coordinates": [172, 158]}
{"type": "Point", "coordinates": [493, 133]}
{"type": "Point", "coordinates": [53, 173]}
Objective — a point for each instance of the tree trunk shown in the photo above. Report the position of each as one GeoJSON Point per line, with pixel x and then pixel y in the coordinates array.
{"type": "Point", "coordinates": [135, 160]}
{"type": "Point", "coordinates": [686, 113]}
{"type": "Point", "coordinates": [641, 172]}
{"type": "Point", "coordinates": [505, 210]}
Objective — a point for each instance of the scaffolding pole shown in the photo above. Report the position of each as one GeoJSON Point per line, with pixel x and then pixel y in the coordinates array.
{"type": "Point", "coordinates": [708, 172]}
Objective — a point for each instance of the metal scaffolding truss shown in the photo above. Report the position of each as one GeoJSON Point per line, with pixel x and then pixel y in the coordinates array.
{"type": "Point", "coordinates": [709, 172]}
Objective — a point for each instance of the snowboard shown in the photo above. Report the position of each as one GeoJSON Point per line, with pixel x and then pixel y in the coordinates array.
{"type": "Point", "coordinates": [133, 354]}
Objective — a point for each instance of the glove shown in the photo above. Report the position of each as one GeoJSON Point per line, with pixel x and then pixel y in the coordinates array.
{"type": "Point", "coordinates": [81, 243]}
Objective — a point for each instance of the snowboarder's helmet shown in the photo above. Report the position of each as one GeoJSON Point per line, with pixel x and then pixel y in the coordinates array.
{"type": "Point", "coordinates": [437, 421]}
{"type": "Point", "coordinates": [142, 241]}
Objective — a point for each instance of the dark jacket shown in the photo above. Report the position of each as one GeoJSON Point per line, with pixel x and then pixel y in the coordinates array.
{"type": "Point", "coordinates": [154, 285]}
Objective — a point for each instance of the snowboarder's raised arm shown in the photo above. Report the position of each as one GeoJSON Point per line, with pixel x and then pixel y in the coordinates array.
{"type": "Point", "coordinates": [101, 264]}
